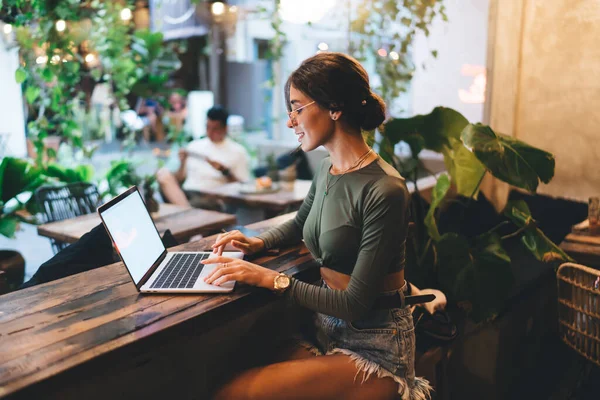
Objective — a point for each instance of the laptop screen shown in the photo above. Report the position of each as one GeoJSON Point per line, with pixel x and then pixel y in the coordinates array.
{"type": "Point", "coordinates": [134, 234]}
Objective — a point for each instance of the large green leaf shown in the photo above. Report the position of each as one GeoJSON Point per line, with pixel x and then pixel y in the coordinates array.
{"type": "Point", "coordinates": [509, 159]}
{"type": "Point", "coordinates": [455, 267]}
{"type": "Point", "coordinates": [81, 173]}
{"type": "Point", "coordinates": [533, 238]}
{"type": "Point", "coordinates": [493, 277]}
{"type": "Point", "coordinates": [17, 176]}
{"type": "Point", "coordinates": [386, 151]}
{"type": "Point", "coordinates": [435, 128]}
{"type": "Point", "coordinates": [478, 277]}
{"type": "Point", "coordinates": [439, 192]}
{"type": "Point", "coordinates": [85, 171]}
{"type": "Point", "coordinates": [464, 168]}
{"type": "Point", "coordinates": [8, 225]}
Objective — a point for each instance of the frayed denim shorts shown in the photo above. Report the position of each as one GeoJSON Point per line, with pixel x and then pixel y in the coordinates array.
{"type": "Point", "coordinates": [383, 343]}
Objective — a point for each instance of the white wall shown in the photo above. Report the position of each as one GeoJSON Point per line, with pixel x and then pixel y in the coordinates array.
{"type": "Point", "coordinates": [460, 41]}
{"type": "Point", "coordinates": [11, 105]}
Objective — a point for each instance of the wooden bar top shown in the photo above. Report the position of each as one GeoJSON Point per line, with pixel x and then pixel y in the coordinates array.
{"type": "Point", "coordinates": [279, 200]}
{"type": "Point", "coordinates": [52, 328]}
{"type": "Point", "coordinates": [184, 222]}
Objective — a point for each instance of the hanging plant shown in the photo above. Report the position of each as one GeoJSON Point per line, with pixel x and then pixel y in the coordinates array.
{"type": "Point", "coordinates": [385, 30]}
{"type": "Point", "coordinates": [66, 48]}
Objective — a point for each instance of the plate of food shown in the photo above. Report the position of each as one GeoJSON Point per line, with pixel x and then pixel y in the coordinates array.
{"type": "Point", "coordinates": [262, 185]}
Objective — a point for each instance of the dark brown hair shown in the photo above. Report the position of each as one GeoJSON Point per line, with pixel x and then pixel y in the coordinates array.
{"type": "Point", "coordinates": [338, 82]}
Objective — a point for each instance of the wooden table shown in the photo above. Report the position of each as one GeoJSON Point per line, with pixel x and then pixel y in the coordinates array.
{"type": "Point", "coordinates": [583, 246]}
{"type": "Point", "coordinates": [272, 203]}
{"type": "Point", "coordinates": [93, 336]}
{"type": "Point", "coordinates": [184, 222]}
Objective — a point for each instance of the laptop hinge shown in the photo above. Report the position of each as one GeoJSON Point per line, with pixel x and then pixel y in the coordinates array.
{"type": "Point", "coordinates": [152, 269]}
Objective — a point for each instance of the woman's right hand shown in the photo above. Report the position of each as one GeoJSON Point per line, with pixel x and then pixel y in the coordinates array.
{"type": "Point", "coordinates": [247, 245]}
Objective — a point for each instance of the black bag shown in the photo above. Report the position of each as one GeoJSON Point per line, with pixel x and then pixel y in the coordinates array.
{"type": "Point", "coordinates": [92, 250]}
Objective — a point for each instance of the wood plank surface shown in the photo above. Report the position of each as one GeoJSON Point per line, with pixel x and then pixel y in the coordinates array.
{"type": "Point", "coordinates": [279, 200]}
{"type": "Point", "coordinates": [583, 253]}
{"type": "Point", "coordinates": [67, 326]}
{"type": "Point", "coordinates": [184, 222]}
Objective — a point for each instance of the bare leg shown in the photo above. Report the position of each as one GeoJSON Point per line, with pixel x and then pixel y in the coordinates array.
{"type": "Point", "coordinates": [170, 188]}
{"type": "Point", "coordinates": [308, 377]}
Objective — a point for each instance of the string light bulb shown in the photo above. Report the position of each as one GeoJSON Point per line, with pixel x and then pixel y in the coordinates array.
{"type": "Point", "coordinates": [61, 25]}
{"type": "Point", "coordinates": [217, 8]}
{"type": "Point", "coordinates": [90, 58]}
{"type": "Point", "coordinates": [126, 14]}
{"type": "Point", "coordinates": [382, 52]}
{"type": "Point", "coordinates": [323, 46]}
{"type": "Point", "coordinates": [394, 56]}
{"type": "Point", "coordinates": [7, 29]}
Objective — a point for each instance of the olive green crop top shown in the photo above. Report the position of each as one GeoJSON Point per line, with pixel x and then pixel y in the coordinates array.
{"type": "Point", "coordinates": [358, 228]}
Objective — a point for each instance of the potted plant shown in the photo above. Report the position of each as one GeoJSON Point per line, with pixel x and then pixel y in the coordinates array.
{"type": "Point", "coordinates": [18, 179]}
{"type": "Point", "coordinates": [473, 271]}
{"type": "Point", "coordinates": [149, 186]}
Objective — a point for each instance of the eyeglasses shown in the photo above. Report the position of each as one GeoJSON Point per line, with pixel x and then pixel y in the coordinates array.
{"type": "Point", "coordinates": [294, 113]}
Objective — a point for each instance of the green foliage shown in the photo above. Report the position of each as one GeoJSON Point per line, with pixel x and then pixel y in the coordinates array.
{"type": "Point", "coordinates": [439, 192]}
{"type": "Point", "coordinates": [18, 178]}
{"type": "Point", "coordinates": [474, 272]}
{"type": "Point", "coordinates": [81, 173]}
{"type": "Point", "coordinates": [120, 176]}
{"type": "Point", "coordinates": [392, 26]}
{"type": "Point", "coordinates": [509, 159]}
{"type": "Point", "coordinates": [54, 70]}
{"type": "Point", "coordinates": [533, 238]}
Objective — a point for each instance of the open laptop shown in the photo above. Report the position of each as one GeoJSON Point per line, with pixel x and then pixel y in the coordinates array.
{"type": "Point", "coordinates": [151, 267]}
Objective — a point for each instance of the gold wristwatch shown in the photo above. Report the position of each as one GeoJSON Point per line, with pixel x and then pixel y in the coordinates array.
{"type": "Point", "coordinates": [281, 283]}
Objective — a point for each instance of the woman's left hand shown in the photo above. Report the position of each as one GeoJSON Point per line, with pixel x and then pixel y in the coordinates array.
{"type": "Point", "coordinates": [234, 269]}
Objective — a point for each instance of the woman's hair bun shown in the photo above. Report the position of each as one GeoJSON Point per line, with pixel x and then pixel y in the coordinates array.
{"type": "Point", "coordinates": [374, 112]}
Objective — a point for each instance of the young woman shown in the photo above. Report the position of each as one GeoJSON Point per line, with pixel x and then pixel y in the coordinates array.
{"type": "Point", "coordinates": [354, 221]}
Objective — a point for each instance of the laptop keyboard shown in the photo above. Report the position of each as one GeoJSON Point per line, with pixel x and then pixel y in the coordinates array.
{"type": "Point", "coordinates": [182, 271]}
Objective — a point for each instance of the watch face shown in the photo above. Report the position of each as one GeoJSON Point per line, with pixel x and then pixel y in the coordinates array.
{"type": "Point", "coordinates": [283, 281]}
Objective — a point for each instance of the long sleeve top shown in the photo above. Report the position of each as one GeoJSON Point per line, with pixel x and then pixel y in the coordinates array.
{"type": "Point", "coordinates": [358, 228]}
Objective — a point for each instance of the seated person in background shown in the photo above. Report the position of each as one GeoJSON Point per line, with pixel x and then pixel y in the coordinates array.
{"type": "Point", "coordinates": [150, 112]}
{"type": "Point", "coordinates": [205, 163]}
{"type": "Point", "coordinates": [177, 113]}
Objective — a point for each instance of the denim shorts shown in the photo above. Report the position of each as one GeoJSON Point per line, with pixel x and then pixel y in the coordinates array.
{"type": "Point", "coordinates": [382, 343]}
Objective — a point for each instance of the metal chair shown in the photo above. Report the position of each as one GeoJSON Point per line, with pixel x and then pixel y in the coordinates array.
{"type": "Point", "coordinates": [58, 203]}
{"type": "Point", "coordinates": [579, 309]}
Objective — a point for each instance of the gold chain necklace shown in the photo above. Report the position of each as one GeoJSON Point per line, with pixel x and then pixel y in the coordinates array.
{"type": "Point", "coordinates": [359, 161]}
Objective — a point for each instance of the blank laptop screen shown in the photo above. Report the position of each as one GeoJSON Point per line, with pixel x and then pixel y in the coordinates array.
{"type": "Point", "coordinates": [134, 234]}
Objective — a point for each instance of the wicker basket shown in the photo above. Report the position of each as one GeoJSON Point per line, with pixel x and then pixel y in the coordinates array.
{"type": "Point", "coordinates": [579, 309]}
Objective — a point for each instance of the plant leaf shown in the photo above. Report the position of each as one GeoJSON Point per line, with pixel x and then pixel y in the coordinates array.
{"type": "Point", "coordinates": [439, 192]}
{"type": "Point", "coordinates": [85, 172]}
{"type": "Point", "coordinates": [479, 276]}
{"type": "Point", "coordinates": [533, 238]}
{"type": "Point", "coordinates": [20, 75]}
{"type": "Point", "coordinates": [32, 93]}
{"type": "Point", "coordinates": [18, 176]}
{"type": "Point", "coordinates": [464, 168]}
{"type": "Point", "coordinates": [8, 225]}
{"type": "Point", "coordinates": [455, 267]}
{"type": "Point", "coordinates": [509, 159]}
{"type": "Point", "coordinates": [435, 128]}
{"type": "Point", "coordinates": [492, 275]}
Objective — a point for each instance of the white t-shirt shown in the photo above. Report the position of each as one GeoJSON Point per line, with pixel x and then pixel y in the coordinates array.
{"type": "Point", "coordinates": [200, 175]}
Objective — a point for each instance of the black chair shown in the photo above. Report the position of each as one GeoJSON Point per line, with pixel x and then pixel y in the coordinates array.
{"type": "Point", "coordinates": [58, 203]}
